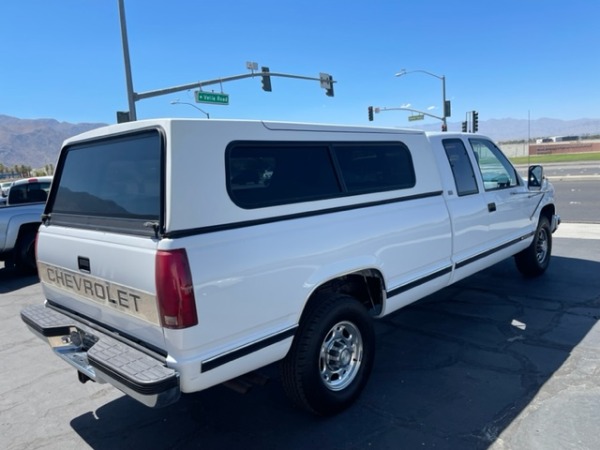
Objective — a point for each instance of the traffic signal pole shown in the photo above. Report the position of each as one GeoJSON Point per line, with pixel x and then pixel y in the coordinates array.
{"type": "Point", "coordinates": [200, 84]}
{"type": "Point", "coordinates": [324, 79]}
{"type": "Point", "coordinates": [132, 115]}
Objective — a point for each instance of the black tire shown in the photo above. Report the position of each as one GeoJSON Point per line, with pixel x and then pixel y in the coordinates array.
{"type": "Point", "coordinates": [25, 253]}
{"type": "Point", "coordinates": [534, 260]}
{"type": "Point", "coordinates": [331, 357]}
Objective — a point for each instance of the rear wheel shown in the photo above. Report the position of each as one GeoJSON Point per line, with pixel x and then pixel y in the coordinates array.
{"type": "Point", "coordinates": [534, 260]}
{"type": "Point", "coordinates": [25, 252]}
{"type": "Point", "coordinates": [331, 357]}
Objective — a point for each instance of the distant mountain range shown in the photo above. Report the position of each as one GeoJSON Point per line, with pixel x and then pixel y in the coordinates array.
{"type": "Point", "coordinates": [503, 130]}
{"type": "Point", "coordinates": [36, 142]}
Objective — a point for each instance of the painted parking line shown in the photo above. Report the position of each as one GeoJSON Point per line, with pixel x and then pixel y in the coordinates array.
{"type": "Point", "coordinates": [578, 231]}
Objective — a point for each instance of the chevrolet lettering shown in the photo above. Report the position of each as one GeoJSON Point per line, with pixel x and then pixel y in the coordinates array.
{"type": "Point", "coordinates": [178, 254]}
{"type": "Point", "coordinates": [125, 299]}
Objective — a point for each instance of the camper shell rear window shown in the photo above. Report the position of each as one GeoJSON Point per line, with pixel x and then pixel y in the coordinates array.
{"type": "Point", "coordinates": [261, 174]}
{"type": "Point", "coordinates": [112, 184]}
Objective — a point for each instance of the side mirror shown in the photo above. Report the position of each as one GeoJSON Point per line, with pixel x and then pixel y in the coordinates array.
{"type": "Point", "coordinates": [535, 177]}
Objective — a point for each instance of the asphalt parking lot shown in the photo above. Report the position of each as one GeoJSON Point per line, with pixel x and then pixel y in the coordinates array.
{"type": "Point", "coordinates": [495, 361]}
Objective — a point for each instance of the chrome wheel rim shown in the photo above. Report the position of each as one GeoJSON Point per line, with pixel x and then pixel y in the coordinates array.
{"type": "Point", "coordinates": [341, 356]}
{"type": "Point", "coordinates": [541, 248]}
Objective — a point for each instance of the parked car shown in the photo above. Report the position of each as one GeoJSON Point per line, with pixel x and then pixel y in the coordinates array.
{"type": "Point", "coordinates": [20, 220]}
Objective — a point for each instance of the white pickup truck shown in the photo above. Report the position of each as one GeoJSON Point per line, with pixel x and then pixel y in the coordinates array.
{"type": "Point", "coordinates": [20, 219]}
{"type": "Point", "coordinates": [178, 254]}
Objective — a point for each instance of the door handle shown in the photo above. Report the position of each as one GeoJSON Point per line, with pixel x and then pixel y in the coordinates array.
{"type": "Point", "coordinates": [491, 207]}
{"type": "Point", "coordinates": [83, 263]}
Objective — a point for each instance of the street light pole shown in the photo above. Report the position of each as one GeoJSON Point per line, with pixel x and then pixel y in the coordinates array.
{"type": "Point", "coordinates": [439, 77]}
{"type": "Point", "coordinates": [130, 92]}
{"type": "Point", "coordinates": [445, 125]}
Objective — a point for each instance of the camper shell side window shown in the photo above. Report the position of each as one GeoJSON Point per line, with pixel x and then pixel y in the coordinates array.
{"type": "Point", "coordinates": [261, 174]}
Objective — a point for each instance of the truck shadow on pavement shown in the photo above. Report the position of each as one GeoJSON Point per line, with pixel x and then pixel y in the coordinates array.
{"type": "Point", "coordinates": [452, 371]}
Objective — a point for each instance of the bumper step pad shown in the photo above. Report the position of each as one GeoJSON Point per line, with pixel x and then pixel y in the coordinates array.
{"type": "Point", "coordinates": [134, 372]}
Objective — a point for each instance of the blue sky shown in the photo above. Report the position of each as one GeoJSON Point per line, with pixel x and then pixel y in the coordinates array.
{"type": "Point", "coordinates": [63, 59]}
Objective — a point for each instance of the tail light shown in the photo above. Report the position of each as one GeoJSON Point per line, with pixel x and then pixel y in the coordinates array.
{"type": "Point", "coordinates": [35, 247]}
{"type": "Point", "coordinates": [175, 289]}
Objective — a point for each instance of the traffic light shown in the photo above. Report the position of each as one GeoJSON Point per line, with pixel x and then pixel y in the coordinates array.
{"type": "Point", "coordinates": [447, 108]}
{"type": "Point", "coordinates": [475, 121]}
{"type": "Point", "coordinates": [326, 83]}
{"type": "Point", "coordinates": [464, 126]}
{"type": "Point", "coordinates": [370, 114]}
{"type": "Point", "coordinates": [329, 90]}
{"type": "Point", "coordinates": [266, 79]}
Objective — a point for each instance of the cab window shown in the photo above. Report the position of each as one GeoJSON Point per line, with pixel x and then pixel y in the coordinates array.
{"type": "Point", "coordinates": [496, 170]}
{"type": "Point", "coordinates": [462, 170]}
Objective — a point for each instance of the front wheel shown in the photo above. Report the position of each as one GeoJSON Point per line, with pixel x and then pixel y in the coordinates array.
{"type": "Point", "coordinates": [534, 260]}
{"type": "Point", "coordinates": [331, 357]}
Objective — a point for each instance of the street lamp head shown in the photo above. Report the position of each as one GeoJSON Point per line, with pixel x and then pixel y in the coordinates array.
{"type": "Point", "coordinates": [402, 72]}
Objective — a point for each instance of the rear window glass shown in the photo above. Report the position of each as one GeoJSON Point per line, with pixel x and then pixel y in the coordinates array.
{"type": "Point", "coordinates": [33, 192]}
{"type": "Point", "coordinates": [263, 174]}
{"type": "Point", "coordinates": [118, 178]}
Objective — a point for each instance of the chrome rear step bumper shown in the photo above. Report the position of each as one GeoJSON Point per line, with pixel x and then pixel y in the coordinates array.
{"type": "Point", "coordinates": [103, 358]}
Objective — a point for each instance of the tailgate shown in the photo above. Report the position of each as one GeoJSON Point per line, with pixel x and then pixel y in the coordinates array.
{"type": "Point", "coordinates": [106, 278]}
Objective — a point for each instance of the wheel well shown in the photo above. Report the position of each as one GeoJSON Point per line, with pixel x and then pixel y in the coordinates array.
{"type": "Point", "coordinates": [25, 229]}
{"type": "Point", "coordinates": [367, 286]}
{"type": "Point", "coordinates": [548, 211]}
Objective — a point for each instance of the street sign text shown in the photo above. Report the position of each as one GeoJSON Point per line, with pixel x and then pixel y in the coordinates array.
{"type": "Point", "coordinates": [214, 98]}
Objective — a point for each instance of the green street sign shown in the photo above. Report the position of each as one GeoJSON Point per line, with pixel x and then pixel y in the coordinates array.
{"type": "Point", "coordinates": [212, 97]}
{"type": "Point", "coordinates": [416, 117]}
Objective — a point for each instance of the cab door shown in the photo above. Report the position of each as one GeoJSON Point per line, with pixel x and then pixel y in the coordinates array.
{"type": "Point", "coordinates": [466, 205]}
{"type": "Point", "coordinates": [509, 203]}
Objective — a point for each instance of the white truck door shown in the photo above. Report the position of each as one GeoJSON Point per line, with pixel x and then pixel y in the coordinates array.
{"type": "Point", "coordinates": [508, 201]}
{"type": "Point", "coordinates": [467, 207]}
